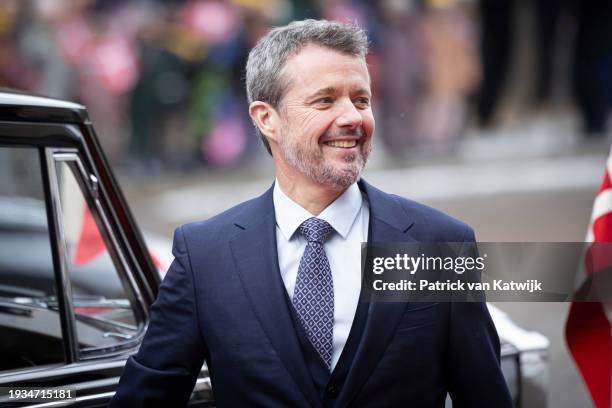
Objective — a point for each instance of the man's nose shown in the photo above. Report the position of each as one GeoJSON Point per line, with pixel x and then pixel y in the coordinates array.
{"type": "Point", "coordinates": [349, 115]}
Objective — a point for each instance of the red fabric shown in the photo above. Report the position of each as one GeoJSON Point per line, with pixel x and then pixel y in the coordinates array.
{"type": "Point", "coordinates": [588, 336]}
{"type": "Point", "coordinates": [606, 183]}
{"type": "Point", "coordinates": [588, 330]}
{"type": "Point", "coordinates": [602, 228]}
{"type": "Point", "coordinates": [90, 243]}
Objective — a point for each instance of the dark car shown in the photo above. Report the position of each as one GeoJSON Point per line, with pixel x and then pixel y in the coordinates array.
{"type": "Point", "coordinates": [77, 280]}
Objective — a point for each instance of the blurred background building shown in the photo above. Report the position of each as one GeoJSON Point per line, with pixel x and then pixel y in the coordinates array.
{"type": "Point", "coordinates": [496, 111]}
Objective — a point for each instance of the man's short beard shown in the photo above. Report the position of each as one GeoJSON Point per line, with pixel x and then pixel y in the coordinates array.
{"type": "Point", "coordinates": [313, 165]}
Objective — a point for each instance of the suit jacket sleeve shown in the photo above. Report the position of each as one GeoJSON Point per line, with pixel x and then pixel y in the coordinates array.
{"type": "Point", "coordinates": [475, 376]}
{"type": "Point", "coordinates": [165, 369]}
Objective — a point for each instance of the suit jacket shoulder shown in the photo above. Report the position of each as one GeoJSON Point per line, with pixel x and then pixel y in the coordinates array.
{"type": "Point", "coordinates": [424, 223]}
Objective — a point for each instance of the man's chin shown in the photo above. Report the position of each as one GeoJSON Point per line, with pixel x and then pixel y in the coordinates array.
{"type": "Point", "coordinates": [341, 178]}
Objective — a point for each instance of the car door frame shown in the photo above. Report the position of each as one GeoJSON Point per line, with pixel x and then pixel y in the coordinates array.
{"type": "Point", "coordinates": [95, 374]}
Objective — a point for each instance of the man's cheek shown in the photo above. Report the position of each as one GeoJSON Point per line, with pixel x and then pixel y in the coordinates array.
{"type": "Point", "coordinates": [369, 126]}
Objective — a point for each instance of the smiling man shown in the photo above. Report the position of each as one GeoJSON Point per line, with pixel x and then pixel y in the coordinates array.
{"type": "Point", "coordinates": [267, 293]}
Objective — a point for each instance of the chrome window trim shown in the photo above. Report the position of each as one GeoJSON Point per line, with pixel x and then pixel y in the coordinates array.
{"type": "Point", "coordinates": [72, 158]}
{"type": "Point", "coordinates": [62, 156]}
{"type": "Point", "coordinates": [105, 215]}
{"type": "Point", "coordinates": [66, 287]}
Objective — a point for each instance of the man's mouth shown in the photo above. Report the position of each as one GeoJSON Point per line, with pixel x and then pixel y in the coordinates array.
{"type": "Point", "coordinates": [345, 144]}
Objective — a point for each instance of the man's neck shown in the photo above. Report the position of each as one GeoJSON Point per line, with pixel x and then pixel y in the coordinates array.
{"type": "Point", "coordinates": [310, 195]}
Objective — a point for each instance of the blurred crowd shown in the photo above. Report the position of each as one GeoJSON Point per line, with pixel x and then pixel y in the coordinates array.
{"type": "Point", "coordinates": [164, 81]}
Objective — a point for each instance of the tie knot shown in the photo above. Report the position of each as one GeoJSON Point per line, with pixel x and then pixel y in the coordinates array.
{"type": "Point", "coordinates": [315, 230]}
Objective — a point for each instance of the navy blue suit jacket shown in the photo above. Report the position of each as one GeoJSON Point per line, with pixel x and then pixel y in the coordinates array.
{"type": "Point", "coordinates": [223, 300]}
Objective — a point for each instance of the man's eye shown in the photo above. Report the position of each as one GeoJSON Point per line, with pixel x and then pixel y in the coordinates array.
{"type": "Point", "coordinates": [325, 100]}
{"type": "Point", "coordinates": [365, 102]}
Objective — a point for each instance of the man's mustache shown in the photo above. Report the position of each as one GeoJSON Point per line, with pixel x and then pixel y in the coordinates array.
{"type": "Point", "coordinates": [354, 132]}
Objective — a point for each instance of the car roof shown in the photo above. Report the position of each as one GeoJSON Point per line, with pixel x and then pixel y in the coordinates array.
{"type": "Point", "coordinates": [22, 106]}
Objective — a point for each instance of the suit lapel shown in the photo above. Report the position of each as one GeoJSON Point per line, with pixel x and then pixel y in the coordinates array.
{"type": "Point", "coordinates": [388, 223]}
{"type": "Point", "coordinates": [255, 253]}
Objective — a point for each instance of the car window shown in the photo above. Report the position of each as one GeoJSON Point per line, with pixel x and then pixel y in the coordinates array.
{"type": "Point", "coordinates": [103, 311]}
{"type": "Point", "coordinates": [30, 328]}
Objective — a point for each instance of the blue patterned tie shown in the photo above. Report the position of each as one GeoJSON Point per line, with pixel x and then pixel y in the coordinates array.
{"type": "Point", "coordinates": [313, 297]}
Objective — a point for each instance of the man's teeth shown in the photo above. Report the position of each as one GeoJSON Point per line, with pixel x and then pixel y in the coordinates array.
{"type": "Point", "coordinates": [342, 143]}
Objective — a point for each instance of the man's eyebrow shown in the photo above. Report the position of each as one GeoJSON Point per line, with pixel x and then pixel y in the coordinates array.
{"type": "Point", "coordinates": [323, 91]}
{"type": "Point", "coordinates": [332, 90]}
{"type": "Point", "coordinates": [362, 91]}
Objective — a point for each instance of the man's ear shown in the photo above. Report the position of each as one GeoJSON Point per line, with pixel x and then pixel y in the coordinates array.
{"type": "Point", "coordinates": [266, 118]}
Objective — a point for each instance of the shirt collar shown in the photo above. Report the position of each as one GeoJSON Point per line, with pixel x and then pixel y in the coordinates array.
{"type": "Point", "coordinates": [340, 214]}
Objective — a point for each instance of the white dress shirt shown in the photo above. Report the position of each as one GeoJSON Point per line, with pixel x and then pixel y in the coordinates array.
{"type": "Point", "coordinates": [349, 215]}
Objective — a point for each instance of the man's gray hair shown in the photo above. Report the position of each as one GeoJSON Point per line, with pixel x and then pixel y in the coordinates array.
{"type": "Point", "coordinates": [264, 81]}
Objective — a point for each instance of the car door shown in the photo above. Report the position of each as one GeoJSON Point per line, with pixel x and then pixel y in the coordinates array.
{"type": "Point", "coordinates": [75, 284]}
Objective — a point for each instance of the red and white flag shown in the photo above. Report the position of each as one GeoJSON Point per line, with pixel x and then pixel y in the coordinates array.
{"type": "Point", "coordinates": [588, 329]}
